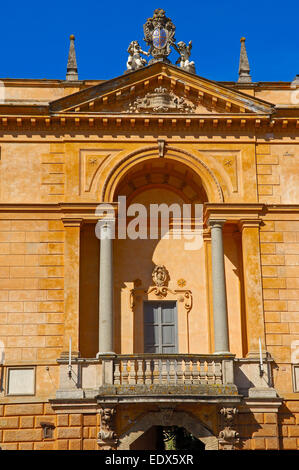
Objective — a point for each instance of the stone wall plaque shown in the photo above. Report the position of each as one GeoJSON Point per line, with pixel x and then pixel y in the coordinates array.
{"type": "Point", "coordinates": [21, 381]}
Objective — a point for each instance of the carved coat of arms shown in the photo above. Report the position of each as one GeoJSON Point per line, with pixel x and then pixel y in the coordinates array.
{"type": "Point", "coordinates": [160, 276]}
{"type": "Point", "coordinates": [159, 35]}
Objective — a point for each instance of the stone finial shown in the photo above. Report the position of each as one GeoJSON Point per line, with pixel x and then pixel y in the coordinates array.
{"type": "Point", "coordinates": [72, 70]}
{"type": "Point", "coordinates": [244, 69]}
{"type": "Point", "coordinates": [295, 82]}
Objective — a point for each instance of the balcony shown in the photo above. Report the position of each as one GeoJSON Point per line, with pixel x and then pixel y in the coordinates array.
{"type": "Point", "coordinates": [149, 378]}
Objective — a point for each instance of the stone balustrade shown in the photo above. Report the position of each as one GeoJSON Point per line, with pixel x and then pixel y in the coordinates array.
{"type": "Point", "coordinates": [172, 369]}
{"type": "Point", "coordinates": [145, 372]}
{"type": "Point", "coordinates": [167, 370]}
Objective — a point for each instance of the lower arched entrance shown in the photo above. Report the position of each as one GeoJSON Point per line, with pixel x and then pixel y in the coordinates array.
{"type": "Point", "coordinates": [150, 431]}
{"type": "Point", "coordinates": [167, 438]}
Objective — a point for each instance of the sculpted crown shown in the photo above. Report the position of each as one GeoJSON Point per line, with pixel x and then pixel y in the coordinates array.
{"type": "Point", "coordinates": [159, 36]}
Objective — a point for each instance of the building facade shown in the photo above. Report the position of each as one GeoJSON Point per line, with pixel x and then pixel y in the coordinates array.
{"type": "Point", "coordinates": [107, 341]}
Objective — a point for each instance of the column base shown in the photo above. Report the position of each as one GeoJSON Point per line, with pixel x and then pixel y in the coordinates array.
{"type": "Point", "coordinates": [108, 353]}
{"type": "Point", "coordinates": [262, 392]}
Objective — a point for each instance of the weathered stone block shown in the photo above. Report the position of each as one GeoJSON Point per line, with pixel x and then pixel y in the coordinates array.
{"type": "Point", "coordinates": [62, 420]}
{"type": "Point", "coordinates": [69, 433]}
{"type": "Point", "coordinates": [294, 431]}
{"type": "Point", "coordinates": [26, 422]}
{"type": "Point", "coordinates": [23, 409]}
{"type": "Point", "coordinates": [89, 444]}
{"type": "Point", "coordinates": [75, 444]}
{"type": "Point", "coordinates": [271, 443]}
{"type": "Point", "coordinates": [276, 305]}
{"type": "Point", "coordinates": [258, 444]}
{"type": "Point", "coordinates": [277, 328]}
{"type": "Point", "coordinates": [75, 420]}
{"type": "Point", "coordinates": [274, 283]}
{"type": "Point", "coordinates": [26, 446]}
{"type": "Point", "coordinates": [273, 260]}
{"type": "Point", "coordinates": [62, 444]}
{"type": "Point", "coordinates": [22, 435]}
{"type": "Point", "coordinates": [6, 423]}
{"type": "Point", "coordinates": [266, 430]}
{"type": "Point", "coordinates": [44, 445]}
{"type": "Point", "coordinates": [289, 443]}
{"type": "Point", "coordinates": [270, 418]}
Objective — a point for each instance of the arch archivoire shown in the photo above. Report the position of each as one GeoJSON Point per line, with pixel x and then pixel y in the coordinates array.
{"type": "Point", "coordinates": [168, 418]}
{"type": "Point", "coordinates": [209, 180]}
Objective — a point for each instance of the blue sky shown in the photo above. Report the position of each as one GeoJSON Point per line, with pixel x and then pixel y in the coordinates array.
{"type": "Point", "coordinates": [34, 36]}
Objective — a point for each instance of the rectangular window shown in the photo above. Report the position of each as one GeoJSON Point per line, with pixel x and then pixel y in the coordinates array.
{"type": "Point", "coordinates": [160, 327]}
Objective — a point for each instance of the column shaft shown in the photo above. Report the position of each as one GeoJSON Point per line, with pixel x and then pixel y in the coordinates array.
{"type": "Point", "coordinates": [221, 343]}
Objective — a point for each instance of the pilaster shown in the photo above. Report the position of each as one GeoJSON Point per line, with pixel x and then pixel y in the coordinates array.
{"type": "Point", "coordinates": [71, 283]}
{"type": "Point", "coordinates": [252, 285]}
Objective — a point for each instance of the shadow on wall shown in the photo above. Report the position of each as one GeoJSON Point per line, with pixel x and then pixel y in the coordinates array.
{"type": "Point", "coordinates": [285, 417]}
{"type": "Point", "coordinates": [248, 427]}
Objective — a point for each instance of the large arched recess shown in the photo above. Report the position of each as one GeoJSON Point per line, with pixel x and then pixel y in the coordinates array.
{"type": "Point", "coordinates": [117, 173]}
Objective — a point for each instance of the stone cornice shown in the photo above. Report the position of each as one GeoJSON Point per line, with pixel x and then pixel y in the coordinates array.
{"type": "Point", "coordinates": [233, 213]}
{"type": "Point", "coordinates": [90, 122]}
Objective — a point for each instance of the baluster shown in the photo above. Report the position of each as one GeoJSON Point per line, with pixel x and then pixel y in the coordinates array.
{"type": "Point", "coordinates": [156, 371]}
{"type": "Point", "coordinates": [172, 371]}
{"type": "Point", "coordinates": [195, 372]}
{"type": "Point", "coordinates": [218, 373]}
{"type": "Point", "coordinates": [210, 373]}
{"type": "Point", "coordinates": [148, 372]}
{"type": "Point", "coordinates": [124, 372]}
{"type": "Point", "coordinates": [132, 376]}
{"type": "Point", "coordinates": [116, 373]}
{"type": "Point", "coordinates": [202, 372]}
{"type": "Point", "coordinates": [188, 372]}
{"type": "Point", "coordinates": [179, 373]}
{"type": "Point", "coordinates": [164, 371]}
{"type": "Point", "coordinates": [140, 379]}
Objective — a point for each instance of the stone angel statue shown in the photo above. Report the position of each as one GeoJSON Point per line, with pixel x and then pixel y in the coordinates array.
{"type": "Point", "coordinates": [185, 52]}
{"type": "Point", "coordinates": [135, 61]}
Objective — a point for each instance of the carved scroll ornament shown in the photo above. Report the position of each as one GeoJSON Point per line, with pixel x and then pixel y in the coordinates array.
{"type": "Point", "coordinates": [107, 436]}
{"type": "Point", "coordinates": [228, 437]}
{"type": "Point", "coordinates": [160, 278]}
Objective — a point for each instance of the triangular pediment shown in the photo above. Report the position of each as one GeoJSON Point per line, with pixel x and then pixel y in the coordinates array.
{"type": "Point", "coordinates": [160, 89]}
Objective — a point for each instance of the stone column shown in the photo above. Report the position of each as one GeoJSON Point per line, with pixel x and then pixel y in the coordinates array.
{"type": "Point", "coordinates": [253, 285]}
{"type": "Point", "coordinates": [106, 290]}
{"type": "Point", "coordinates": [71, 284]}
{"type": "Point", "coordinates": [219, 288]}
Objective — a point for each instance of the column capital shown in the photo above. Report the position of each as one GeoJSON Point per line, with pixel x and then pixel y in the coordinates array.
{"type": "Point", "coordinates": [249, 223]}
{"type": "Point", "coordinates": [72, 222]}
{"type": "Point", "coordinates": [216, 222]}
